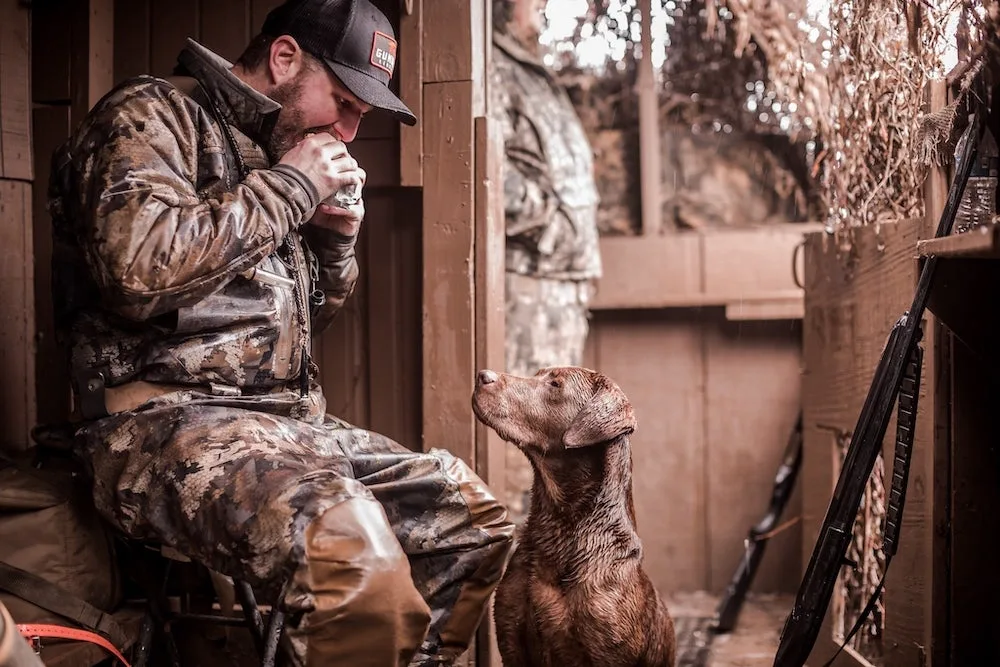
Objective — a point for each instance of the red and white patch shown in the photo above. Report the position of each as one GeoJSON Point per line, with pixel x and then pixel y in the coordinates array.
{"type": "Point", "coordinates": [384, 52]}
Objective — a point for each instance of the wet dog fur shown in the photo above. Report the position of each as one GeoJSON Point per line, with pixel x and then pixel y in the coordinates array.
{"type": "Point", "coordinates": [575, 592]}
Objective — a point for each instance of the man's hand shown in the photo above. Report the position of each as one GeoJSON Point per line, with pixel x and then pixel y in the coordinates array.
{"type": "Point", "coordinates": [325, 161]}
{"type": "Point", "coordinates": [346, 221]}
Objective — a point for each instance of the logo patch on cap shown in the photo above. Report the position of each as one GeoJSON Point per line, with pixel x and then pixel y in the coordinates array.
{"type": "Point", "coordinates": [384, 52]}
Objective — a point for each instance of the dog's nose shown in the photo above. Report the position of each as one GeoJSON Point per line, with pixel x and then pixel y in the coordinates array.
{"type": "Point", "coordinates": [487, 377]}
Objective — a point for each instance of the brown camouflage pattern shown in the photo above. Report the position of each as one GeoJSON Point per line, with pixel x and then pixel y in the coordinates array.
{"type": "Point", "coordinates": [154, 226]}
{"type": "Point", "coordinates": [550, 198]}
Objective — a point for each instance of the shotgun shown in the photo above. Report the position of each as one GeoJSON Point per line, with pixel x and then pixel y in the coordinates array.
{"type": "Point", "coordinates": [784, 481]}
{"type": "Point", "coordinates": [806, 618]}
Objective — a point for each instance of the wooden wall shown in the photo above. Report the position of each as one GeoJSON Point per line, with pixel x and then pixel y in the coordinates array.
{"type": "Point", "coordinates": [715, 402]}
{"type": "Point", "coordinates": [17, 327]}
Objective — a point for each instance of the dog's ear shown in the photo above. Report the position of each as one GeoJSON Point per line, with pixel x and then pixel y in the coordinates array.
{"type": "Point", "coordinates": [607, 415]}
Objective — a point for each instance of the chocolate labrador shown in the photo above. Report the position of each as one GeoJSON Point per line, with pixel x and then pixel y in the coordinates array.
{"type": "Point", "coordinates": [575, 592]}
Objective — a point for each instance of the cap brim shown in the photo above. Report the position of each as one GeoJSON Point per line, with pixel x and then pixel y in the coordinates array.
{"type": "Point", "coordinates": [372, 91]}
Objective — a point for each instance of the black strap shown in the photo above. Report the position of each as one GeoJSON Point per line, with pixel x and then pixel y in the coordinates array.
{"type": "Point", "coordinates": [57, 600]}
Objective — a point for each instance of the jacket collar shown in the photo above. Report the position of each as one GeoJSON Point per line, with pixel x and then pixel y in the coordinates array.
{"type": "Point", "coordinates": [254, 113]}
{"type": "Point", "coordinates": [513, 48]}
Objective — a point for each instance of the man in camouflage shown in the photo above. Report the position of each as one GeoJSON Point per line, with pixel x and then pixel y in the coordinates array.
{"type": "Point", "coordinates": [550, 201]}
{"type": "Point", "coordinates": [194, 264]}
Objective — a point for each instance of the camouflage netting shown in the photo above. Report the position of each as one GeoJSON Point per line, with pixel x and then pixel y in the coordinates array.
{"type": "Point", "coordinates": [768, 115]}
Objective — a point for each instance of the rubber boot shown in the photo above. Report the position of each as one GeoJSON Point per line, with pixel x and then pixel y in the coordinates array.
{"type": "Point", "coordinates": [364, 610]}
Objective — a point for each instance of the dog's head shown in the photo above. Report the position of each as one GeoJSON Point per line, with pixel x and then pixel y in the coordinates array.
{"type": "Point", "coordinates": [556, 409]}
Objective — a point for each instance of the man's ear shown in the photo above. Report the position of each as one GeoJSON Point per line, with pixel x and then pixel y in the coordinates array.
{"type": "Point", "coordinates": [284, 59]}
{"type": "Point", "coordinates": [607, 415]}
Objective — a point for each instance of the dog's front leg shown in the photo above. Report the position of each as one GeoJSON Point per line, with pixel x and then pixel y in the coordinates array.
{"type": "Point", "coordinates": [511, 611]}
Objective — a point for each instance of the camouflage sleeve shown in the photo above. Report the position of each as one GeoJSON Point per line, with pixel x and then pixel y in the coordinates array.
{"type": "Point", "coordinates": [336, 272]}
{"type": "Point", "coordinates": [529, 198]}
{"type": "Point", "coordinates": [152, 243]}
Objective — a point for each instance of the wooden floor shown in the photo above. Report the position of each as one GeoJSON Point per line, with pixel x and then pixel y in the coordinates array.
{"type": "Point", "coordinates": [753, 642]}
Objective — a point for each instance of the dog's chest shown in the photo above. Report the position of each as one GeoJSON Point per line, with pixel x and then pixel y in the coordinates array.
{"type": "Point", "coordinates": [578, 626]}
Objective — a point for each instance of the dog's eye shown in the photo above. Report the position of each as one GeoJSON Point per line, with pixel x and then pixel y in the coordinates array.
{"type": "Point", "coordinates": [555, 383]}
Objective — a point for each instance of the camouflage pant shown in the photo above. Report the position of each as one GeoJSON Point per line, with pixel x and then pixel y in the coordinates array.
{"type": "Point", "coordinates": [391, 554]}
{"type": "Point", "coordinates": [547, 325]}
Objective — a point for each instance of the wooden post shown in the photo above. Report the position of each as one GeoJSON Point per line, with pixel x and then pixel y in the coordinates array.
{"type": "Point", "coordinates": [649, 128]}
{"type": "Point", "coordinates": [17, 392]}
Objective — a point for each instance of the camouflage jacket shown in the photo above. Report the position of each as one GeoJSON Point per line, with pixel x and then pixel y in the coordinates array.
{"type": "Point", "coordinates": [179, 260]}
{"type": "Point", "coordinates": [550, 195]}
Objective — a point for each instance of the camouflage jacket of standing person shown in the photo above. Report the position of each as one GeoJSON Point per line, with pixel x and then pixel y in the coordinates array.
{"type": "Point", "coordinates": [178, 260]}
{"type": "Point", "coordinates": [549, 191]}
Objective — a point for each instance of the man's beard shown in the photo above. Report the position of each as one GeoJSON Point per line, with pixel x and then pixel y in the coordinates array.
{"type": "Point", "coordinates": [288, 130]}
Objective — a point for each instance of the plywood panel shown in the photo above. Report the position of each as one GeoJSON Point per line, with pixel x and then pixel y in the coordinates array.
{"type": "Point", "coordinates": [752, 399]}
{"type": "Point", "coordinates": [393, 275]}
{"type": "Point", "coordinates": [17, 391]}
{"type": "Point", "coordinates": [224, 26]}
{"type": "Point", "coordinates": [172, 23]}
{"type": "Point", "coordinates": [258, 12]}
{"type": "Point", "coordinates": [671, 270]}
{"type": "Point", "coordinates": [448, 243]}
{"type": "Point", "coordinates": [344, 353]}
{"type": "Point", "coordinates": [15, 92]}
{"type": "Point", "coordinates": [852, 300]}
{"type": "Point", "coordinates": [51, 127]}
{"type": "Point", "coordinates": [51, 41]}
{"type": "Point", "coordinates": [132, 39]}
{"type": "Point", "coordinates": [93, 55]}
{"type": "Point", "coordinates": [658, 360]}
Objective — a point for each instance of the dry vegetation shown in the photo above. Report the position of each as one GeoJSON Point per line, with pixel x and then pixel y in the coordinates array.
{"type": "Point", "coordinates": [838, 111]}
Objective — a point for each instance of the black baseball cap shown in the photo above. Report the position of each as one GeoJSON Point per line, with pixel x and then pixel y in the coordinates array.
{"type": "Point", "coordinates": [353, 38]}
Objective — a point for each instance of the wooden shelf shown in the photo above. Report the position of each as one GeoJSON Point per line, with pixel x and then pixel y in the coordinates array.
{"type": "Point", "coordinates": [983, 242]}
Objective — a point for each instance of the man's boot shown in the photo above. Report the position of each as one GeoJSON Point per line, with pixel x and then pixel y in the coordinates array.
{"type": "Point", "coordinates": [355, 582]}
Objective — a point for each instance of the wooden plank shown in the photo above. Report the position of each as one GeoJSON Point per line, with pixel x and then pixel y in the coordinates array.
{"type": "Point", "coordinates": [982, 242]}
{"type": "Point", "coordinates": [17, 327]}
{"type": "Point", "coordinates": [752, 399]}
{"type": "Point", "coordinates": [448, 261]}
{"type": "Point", "coordinates": [489, 283]}
{"type": "Point", "coordinates": [172, 23]}
{"type": "Point", "coordinates": [50, 128]}
{"type": "Point", "coordinates": [740, 263]}
{"type": "Point", "coordinates": [937, 365]}
{"type": "Point", "coordinates": [132, 39]}
{"type": "Point", "coordinates": [344, 352]}
{"type": "Point", "coordinates": [791, 308]}
{"type": "Point", "coordinates": [224, 26]}
{"type": "Point", "coordinates": [447, 46]}
{"type": "Point", "coordinates": [15, 92]}
{"type": "Point", "coordinates": [669, 442]}
{"type": "Point", "coordinates": [378, 157]}
{"type": "Point", "coordinates": [392, 273]}
{"type": "Point", "coordinates": [852, 301]}
{"type": "Point", "coordinates": [670, 271]}
{"type": "Point", "coordinates": [650, 138]}
{"type": "Point", "coordinates": [51, 39]}
{"type": "Point", "coordinates": [490, 315]}
{"type": "Point", "coordinates": [411, 68]}
{"type": "Point", "coordinates": [93, 55]}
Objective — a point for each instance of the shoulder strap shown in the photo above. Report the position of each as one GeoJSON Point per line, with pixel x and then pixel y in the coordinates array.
{"type": "Point", "coordinates": [55, 599]}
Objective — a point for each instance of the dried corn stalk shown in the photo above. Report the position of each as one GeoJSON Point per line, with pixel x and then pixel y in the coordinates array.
{"type": "Point", "coordinates": [856, 585]}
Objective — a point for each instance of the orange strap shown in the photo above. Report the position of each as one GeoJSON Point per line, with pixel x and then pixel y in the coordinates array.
{"type": "Point", "coordinates": [61, 632]}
